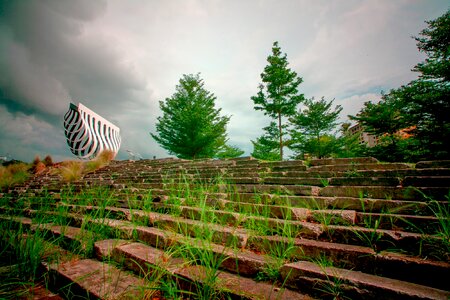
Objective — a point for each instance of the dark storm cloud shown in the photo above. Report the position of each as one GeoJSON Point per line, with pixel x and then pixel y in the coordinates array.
{"type": "Point", "coordinates": [49, 58]}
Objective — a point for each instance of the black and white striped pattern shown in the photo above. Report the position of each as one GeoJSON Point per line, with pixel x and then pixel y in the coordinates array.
{"type": "Point", "coordinates": [88, 134]}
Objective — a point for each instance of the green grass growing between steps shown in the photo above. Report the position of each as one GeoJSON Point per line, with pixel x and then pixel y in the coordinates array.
{"type": "Point", "coordinates": [256, 217]}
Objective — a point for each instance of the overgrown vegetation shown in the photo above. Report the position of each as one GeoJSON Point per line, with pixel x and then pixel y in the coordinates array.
{"type": "Point", "coordinates": [13, 174]}
{"type": "Point", "coordinates": [193, 214]}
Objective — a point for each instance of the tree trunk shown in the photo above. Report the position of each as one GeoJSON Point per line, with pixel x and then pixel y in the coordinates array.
{"type": "Point", "coordinates": [281, 136]}
{"type": "Point", "coordinates": [319, 154]}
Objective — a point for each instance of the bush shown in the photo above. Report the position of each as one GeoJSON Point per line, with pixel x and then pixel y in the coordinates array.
{"type": "Point", "coordinates": [72, 170]}
{"type": "Point", "coordinates": [13, 174]}
{"type": "Point", "coordinates": [48, 161]}
{"type": "Point", "coordinates": [102, 159]}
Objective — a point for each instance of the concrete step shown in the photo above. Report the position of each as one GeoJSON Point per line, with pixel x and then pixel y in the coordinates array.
{"type": "Point", "coordinates": [332, 281]}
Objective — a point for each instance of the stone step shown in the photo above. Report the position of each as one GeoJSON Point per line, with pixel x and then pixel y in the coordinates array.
{"type": "Point", "coordinates": [377, 192]}
{"type": "Point", "coordinates": [272, 189]}
{"type": "Point", "coordinates": [428, 181]}
{"type": "Point", "coordinates": [355, 257]}
{"type": "Point", "coordinates": [377, 238]}
{"type": "Point", "coordinates": [93, 279]}
{"type": "Point", "coordinates": [368, 181]}
{"type": "Point", "coordinates": [418, 244]}
{"type": "Point", "coordinates": [281, 164]}
{"type": "Point", "coordinates": [318, 202]}
{"type": "Point", "coordinates": [144, 259]}
{"type": "Point", "coordinates": [359, 167]}
{"type": "Point", "coordinates": [433, 164]}
{"type": "Point", "coordinates": [414, 223]}
{"type": "Point", "coordinates": [296, 180]}
{"type": "Point", "coordinates": [389, 264]}
{"type": "Point", "coordinates": [332, 281]}
{"type": "Point", "coordinates": [342, 161]}
{"type": "Point", "coordinates": [288, 213]}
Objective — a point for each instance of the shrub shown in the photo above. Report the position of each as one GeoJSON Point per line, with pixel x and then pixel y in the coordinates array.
{"type": "Point", "coordinates": [71, 170]}
{"type": "Point", "coordinates": [13, 174]}
{"type": "Point", "coordinates": [48, 161]}
{"type": "Point", "coordinates": [102, 159]}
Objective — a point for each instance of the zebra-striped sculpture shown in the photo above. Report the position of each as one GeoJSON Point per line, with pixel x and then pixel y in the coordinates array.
{"type": "Point", "coordinates": [88, 134]}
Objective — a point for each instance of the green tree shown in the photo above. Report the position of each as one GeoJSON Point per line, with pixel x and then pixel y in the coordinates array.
{"type": "Point", "coordinates": [426, 100]}
{"type": "Point", "coordinates": [229, 151]}
{"type": "Point", "coordinates": [384, 118]}
{"type": "Point", "coordinates": [348, 144]}
{"type": "Point", "coordinates": [312, 128]}
{"type": "Point", "coordinates": [278, 95]}
{"type": "Point", "coordinates": [421, 107]}
{"type": "Point", "coordinates": [191, 127]}
{"type": "Point", "coordinates": [266, 147]}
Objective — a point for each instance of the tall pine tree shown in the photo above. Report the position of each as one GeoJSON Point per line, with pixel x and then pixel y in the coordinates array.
{"type": "Point", "coordinates": [191, 127]}
{"type": "Point", "coordinates": [278, 94]}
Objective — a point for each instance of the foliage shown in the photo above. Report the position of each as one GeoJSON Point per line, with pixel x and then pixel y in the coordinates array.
{"type": "Point", "coordinates": [278, 94]}
{"type": "Point", "coordinates": [421, 108]}
{"type": "Point", "coordinates": [13, 174]}
{"type": "Point", "coordinates": [312, 128]}
{"type": "Point", "coordinates": [191, 127]}
{"type": "Point", "coordinates": [102, 159]}
{"type": "Point", "coordinates": [348, 144]}
{"type": "Point", "coordinates": [266, 147]}
{"type": "Point", "coordinates": [382, 118]}
{"type": "Point", "coordinates": [71, 170]}
{"type": "Point", "coordinates": [229, 151]}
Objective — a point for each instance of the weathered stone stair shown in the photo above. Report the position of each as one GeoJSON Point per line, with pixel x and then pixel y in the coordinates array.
{"type": "Point", "coordinates": [352, 228]}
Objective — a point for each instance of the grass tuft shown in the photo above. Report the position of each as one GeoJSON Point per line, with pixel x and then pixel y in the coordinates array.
{"type": "Point", "coordinates": [13, 174]}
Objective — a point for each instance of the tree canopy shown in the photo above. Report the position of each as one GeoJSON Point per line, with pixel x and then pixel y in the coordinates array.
{"type": "Point", "coordinates": [278, 94]}
{"type": "Point", "coordinates": [422, 107]}
{"type": "Point", "coordinates": [266, 147]}
{"type": "Point", "coordinates": [191, 127]}
{"type": "Point", "coordinates": [229, 151]}
{"type": "Point", "coordinates": [313, 126]}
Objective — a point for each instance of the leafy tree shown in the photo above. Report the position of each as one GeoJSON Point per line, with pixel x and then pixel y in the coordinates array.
{"type": "Point", "coordinates": [421, 107]}
{"type": "Point", "coordinates": [278, 95]}
{"type": "Point", "coordinates": [266, 147]}
{"type": "Point", "coordinates": [313, 126]}
{"type": "Point", "coordinates": [191, 127]}
{"type": "Point", "coordinates": [427, 104]}
{"type": "Point", "coordinates": [384, 118]}
{"type": "Point", "coordinates": [228, 151]}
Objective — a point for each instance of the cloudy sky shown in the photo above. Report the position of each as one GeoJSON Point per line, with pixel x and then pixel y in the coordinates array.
{"type": "Point", "coordinates": [120, 58]}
